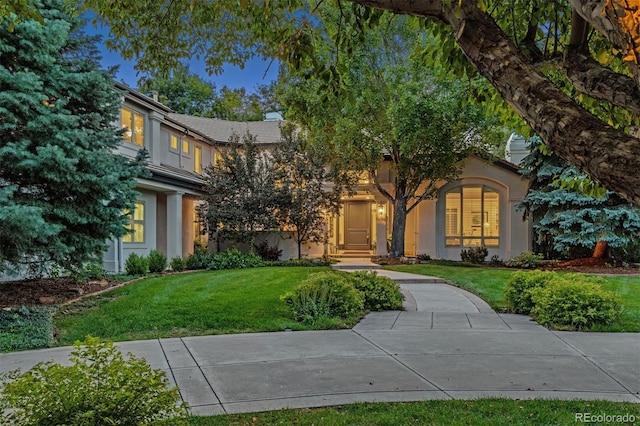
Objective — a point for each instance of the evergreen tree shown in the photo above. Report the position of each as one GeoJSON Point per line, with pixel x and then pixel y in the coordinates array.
{"type": "Point", "coordinates": [572, 223]}
{"type": "Point", "coordinates": [62, 191]}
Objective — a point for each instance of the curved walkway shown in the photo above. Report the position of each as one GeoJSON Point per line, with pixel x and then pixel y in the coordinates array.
{"type": "Point", "coordinates": [447, 344]}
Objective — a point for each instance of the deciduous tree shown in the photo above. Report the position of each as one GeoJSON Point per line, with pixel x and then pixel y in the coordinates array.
{"type": "Point", "coordinates": [309, 188]}
{"type": "Point", "coordinates": [569, 68]}
{"type": "Point", "coordinates": [240, 192]}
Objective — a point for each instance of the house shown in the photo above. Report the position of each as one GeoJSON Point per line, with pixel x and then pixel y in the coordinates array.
{"type": "Point", "coordinates": [480, 208]}
{"type": "Point", "coordinates": [179, 147]}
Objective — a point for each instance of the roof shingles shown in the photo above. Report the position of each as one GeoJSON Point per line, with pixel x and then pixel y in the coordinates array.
{"type": "Point", "coordinates": [266, 132]}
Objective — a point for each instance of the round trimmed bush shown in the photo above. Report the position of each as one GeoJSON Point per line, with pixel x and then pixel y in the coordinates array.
{"type": "Point", "coordinates": [325, 295]}
{"type": "Point", "coordinates": [380, 293]}
{"type": "Point", "coordinates": [178, 264]}
{"type": "Point", "coordinates": [136, 265]}
{"type": "Point", "coordinates": [517, 293]}
{"type": "Point", "coordinates": [525, 260]}
{"type": "Point", "coordinates": [101, 387]}
{"type": "Point", "coordinates": [574, 303]}
{"type": "Point", "coordinates": [157, 262]}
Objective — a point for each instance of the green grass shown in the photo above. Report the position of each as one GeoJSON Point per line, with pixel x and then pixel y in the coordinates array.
{"type": "Point", "coordinates": [489, 284]}
{"type": "Point", "coordinates": [628, 290]}
{"type": "Point", "coordinates": [482, 412]}
{"type": "Point", "coordinates": [213, 302]}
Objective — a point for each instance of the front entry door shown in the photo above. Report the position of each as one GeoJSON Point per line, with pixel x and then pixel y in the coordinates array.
{"type": "Point", "coordinates": [357, 225]}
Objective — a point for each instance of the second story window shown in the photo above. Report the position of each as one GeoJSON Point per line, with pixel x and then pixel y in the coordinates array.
{"type": "Point", "coordinates": [197, 159]}
{"type": "Point", "coordinates": [133, 123]}
{"type": "Point", "coordinates": [185, 147]}
{"type": "Point", "coordinates": [217, 160]}
{"type": "Point", "coordinates": [173, 142]}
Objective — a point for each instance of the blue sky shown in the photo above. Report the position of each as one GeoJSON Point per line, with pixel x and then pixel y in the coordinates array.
{"type": "Point", "coordinates": [233, 77]}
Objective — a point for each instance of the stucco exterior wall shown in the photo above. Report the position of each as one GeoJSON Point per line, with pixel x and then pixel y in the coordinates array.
{"type": "Point", "coordinates": [514, 232]}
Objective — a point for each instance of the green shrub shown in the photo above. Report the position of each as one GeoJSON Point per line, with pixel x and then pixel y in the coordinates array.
{"type": "Point", "coordinates": [199, 259]}
{"type": "Point", "coordinates": [574, 302]}
{"type": "Point", "coordinates": [517, 293]}
{"type": "Point", "coordinates": [100, 388]}
{"type": "Point", "coordinates": [475, 255]}
{"type": "Point", "coordinates": [25, 328]}
{"type": "Point", "coordinates": [88, 271]}
{"type": "Point", "coordinates": [325, 295]}
{"type": "Point", "coordinates": [267, 252]}
{"type": "Point", "coordinates": [157, 262]}
{"type": "Point", "coordinates": [178, 264]}
{"type": "Point", "coordinates": [380, 293]}
{"type": "Point", "coordinates": [136, 265]}
{"type": "Point", "coordinates": [423, 257]}
{"type": "Point", "coordinates": [235, 259]}
{"type": "Point", "coordinates": [525, 260]}
{"type": "Point", "coordinates": [301, 262]}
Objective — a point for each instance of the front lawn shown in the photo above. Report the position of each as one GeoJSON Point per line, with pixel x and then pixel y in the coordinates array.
{"type": "Point", "coordinates": [212, 302]}
{"type": "Point", "coordinates": [489, 284]}
{"type": "Point", "coordinates": [481, 412]}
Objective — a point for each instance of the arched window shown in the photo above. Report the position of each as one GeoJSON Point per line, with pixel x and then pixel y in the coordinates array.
{"type": "Point", "coordinates": [472, 216]}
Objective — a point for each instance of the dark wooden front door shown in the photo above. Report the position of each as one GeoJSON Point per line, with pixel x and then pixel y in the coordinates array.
{"type": "Point", "coordinates": [357, 225]}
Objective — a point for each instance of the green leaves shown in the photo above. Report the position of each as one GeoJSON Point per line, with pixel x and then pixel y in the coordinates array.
{"type": "Point", "coordinates": [570, 211]}
{"type": "Point", "coordinates": [101, 387]}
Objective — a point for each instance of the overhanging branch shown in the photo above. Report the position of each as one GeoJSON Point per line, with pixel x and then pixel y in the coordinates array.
{"type": "Point", "coordinates": [599, 82]}
{"type": "Point", "coordinates": [606, 154]}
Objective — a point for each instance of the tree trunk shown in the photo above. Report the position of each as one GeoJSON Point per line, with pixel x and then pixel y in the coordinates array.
{"type": "Point", "coordinates": [600, 251]}
{"type": "Point", "coordinates": [608, 155]}
{"type": "Point", "coordinates": [399, 226]}
{"type": "Point", "coordinates": [299, 249]}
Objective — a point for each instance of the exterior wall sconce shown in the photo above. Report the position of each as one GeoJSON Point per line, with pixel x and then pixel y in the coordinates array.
{"type": "Point", "coordinates": [382, 211]}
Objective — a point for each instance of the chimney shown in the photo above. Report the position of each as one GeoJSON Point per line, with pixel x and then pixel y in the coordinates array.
{"type": "Point", "coordinates": [517, 149]}
{"type": "Point", "coordinates": [154, 95]}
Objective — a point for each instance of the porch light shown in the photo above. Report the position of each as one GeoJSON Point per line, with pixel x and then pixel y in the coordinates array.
{"type": "Point", "coordinates": [382, 211]}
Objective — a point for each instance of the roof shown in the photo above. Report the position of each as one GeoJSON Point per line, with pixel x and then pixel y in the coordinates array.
{"type": "Point", "coordinates": [266, 132]}
{"type": "Point", "coordinates": [144, 99]}
{"type": "Point", "coordinates": [176, 176]}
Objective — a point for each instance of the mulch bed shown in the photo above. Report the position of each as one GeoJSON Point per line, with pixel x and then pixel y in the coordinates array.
{"type": "Point", "coordinates": [48, 291]}
{"type": "Point", "coordinates": [592, 265]}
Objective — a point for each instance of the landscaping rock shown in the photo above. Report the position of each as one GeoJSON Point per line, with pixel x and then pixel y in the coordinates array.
{"type": "Point", "coordinates": [47, 300]}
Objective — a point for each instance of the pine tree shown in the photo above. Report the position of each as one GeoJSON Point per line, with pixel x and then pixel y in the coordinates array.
{"type": "Point", "coordinates": [573, 223]}
{"type": "Point", "coordinates": [62, 191]}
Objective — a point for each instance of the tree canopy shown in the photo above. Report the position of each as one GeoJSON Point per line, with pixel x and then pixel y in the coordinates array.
{"type": "Point", "coordinates": [406, 128]}
{"type": "Point", "coordinates": [187, 93]}
{"type": "Point", "coordinates": [569, 68]}
{"type": "Point", "coordinates": [240, 192]}
{"type": "Point", "coordinates": [306, 200]}
{"type": "Point", "coordinates": [62, 191]}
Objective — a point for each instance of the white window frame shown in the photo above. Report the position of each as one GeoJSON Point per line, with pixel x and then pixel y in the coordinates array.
{"type": "Point", "coordinates": [131, 126]}
{"type": "Point", "coordinates": [133, 222]}
{"type": "Point", "coordinates": [173, 136]}
{"type": "Point", "coordinates": [461, 214]}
